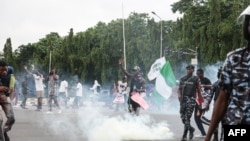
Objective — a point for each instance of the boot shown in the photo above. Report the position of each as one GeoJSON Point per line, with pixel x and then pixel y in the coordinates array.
{"type": "Point", "coordinates": [184, 136]}
{"type": "Point", "coordinates": [191, 133]}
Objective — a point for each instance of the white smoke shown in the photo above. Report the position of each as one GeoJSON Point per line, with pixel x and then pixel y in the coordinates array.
{"type": "Point", "coordinates": [210, 71]}
{"type": "Point", "coordinates": [92, 124]}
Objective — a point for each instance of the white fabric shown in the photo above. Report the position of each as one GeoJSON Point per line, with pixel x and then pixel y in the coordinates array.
{"type": "Point", "coordinates": [155, 68]}
{"type": "Point", "coordinates": [94, 87]}
{"type": "Point", "coordinates": [122, 86]}
{"type": "Point", "coordinates": [63, 86]}
{"type": "Point", "coordinates": [79, 89]}
{"type": "Point", "coordinates": [119, 98]}
{"type": "Point", "coordinates": [38, 82]}
{"type": "Point", "coordinates": [162, 88]}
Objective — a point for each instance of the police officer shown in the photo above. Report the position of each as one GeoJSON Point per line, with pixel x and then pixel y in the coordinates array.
{"type": "Point", "coordinates": [234, 85]}
{"type": "Point", "coordinates": [189, 85]}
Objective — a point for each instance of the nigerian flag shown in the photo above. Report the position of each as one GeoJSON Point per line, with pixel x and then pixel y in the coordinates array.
{"type": "Point", "coordinates": [164, 83]}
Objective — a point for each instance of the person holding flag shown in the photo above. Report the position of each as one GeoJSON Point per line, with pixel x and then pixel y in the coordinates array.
{"type": "Point", "coordinates": [189, 85]}
{"type": "Point", "coordinates": [137, 86]}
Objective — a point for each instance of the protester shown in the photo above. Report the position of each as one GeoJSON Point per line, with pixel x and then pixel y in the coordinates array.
{"type": "Point", "coordinates": [234, 85]}
{"type": "Point", "coordinates": [38, 77]}
{"type": "Point", "coordinates": [112, 92]}
{"type": "Point", "coordinates": [78, 96]}
{"type": "Point", "coordinates": [53, 90]}
{"type": "Point", "coordinates": [189, 85]}
{"type": "Point", "coordinates": [63, 92]}
{"type": "Point", "coordinates": [16, 93]}
{"type": "Point", "coordinates": [6, 77]}
{"type": "Point", "coordinates": [94, 96]}
{"type": "Point", "coordinates": [121, 93]}
{"type": "Point", "coordinates": [198, 113]}
{"type": "Point", "coordinates": [25, 90]}
{"type": "Point", "coordinates": [137, 85]}
{"type": "Point", "coordinates": [95, 87]}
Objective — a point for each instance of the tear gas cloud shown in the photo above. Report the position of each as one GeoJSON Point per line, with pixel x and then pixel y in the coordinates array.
{"type": "Point", "coordinates": [91, 124]}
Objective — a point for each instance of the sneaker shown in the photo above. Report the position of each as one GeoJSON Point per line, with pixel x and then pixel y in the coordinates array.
{"type": "Point", "coordinates": [23, 107]}
{"type": "Point", "coordinates": [184, 139]}
{"type": "Point", "coordinates": [200, 136]}
{"type": "Point", "coordinates": [49, 112]}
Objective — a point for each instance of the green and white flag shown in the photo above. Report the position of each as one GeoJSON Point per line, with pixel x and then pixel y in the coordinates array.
{"type": "Point", "coordinates": [155, 68]}
{"type": "Point", "coordinates": [164, 83]}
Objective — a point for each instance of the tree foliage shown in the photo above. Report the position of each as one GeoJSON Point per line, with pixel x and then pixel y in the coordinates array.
{"type": "Point", "coordinates": [209, 25]}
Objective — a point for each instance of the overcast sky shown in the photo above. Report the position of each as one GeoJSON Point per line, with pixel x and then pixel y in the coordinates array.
{"type": "Point", "coordinates": [27, 21]}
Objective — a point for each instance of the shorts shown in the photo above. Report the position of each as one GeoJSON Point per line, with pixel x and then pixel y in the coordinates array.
{"type": "Point", "coordinates": [39, 94]}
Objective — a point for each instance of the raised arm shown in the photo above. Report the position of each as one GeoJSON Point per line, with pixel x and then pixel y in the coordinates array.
{"type": "Point", "coordinates": [123, 69]}
{"type": "Point", "coordinates": [26, 69]}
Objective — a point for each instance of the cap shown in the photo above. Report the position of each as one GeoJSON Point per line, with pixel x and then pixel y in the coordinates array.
{"type": "Point", "coordinates": [241, 18]}
{"type": "Point", "coordinates": [136, 68]}
{"type": "Point", "coordinates": [190, 66]}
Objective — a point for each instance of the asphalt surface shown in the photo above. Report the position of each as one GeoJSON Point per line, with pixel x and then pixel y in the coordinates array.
{"type": "Point", "coordinates": [97, 123]}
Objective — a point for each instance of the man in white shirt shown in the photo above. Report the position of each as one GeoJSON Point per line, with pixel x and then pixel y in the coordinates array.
{"type": "Point", "coordinates": [78, 96]}
{"type": "Point", "coordinates": [95, 87]}
{"type": "Point", "coordinates": [121, 95]}
{"type": "Point", "coordinates": [38, 77]}
{"type": "Point", "coordinates": [63, 92]}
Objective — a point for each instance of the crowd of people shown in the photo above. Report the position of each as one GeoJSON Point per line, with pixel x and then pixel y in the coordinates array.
{"type": "Point", "coordinates": [56, 92]}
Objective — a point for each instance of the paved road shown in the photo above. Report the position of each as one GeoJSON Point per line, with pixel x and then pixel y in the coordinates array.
{"type": "Point", "coordinates": [96, 123]}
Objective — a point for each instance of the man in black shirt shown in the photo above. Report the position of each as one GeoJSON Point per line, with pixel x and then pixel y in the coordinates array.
{"type": "Point", "coordinates": [189, 85]}
{"type": "Point", "coordinates": [137, 84]}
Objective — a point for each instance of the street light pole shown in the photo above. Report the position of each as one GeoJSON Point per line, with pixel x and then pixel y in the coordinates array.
{"type": "Point", "coordinates": [49, 60]}
{"type": "Point", "coordinates": [161, 31]}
